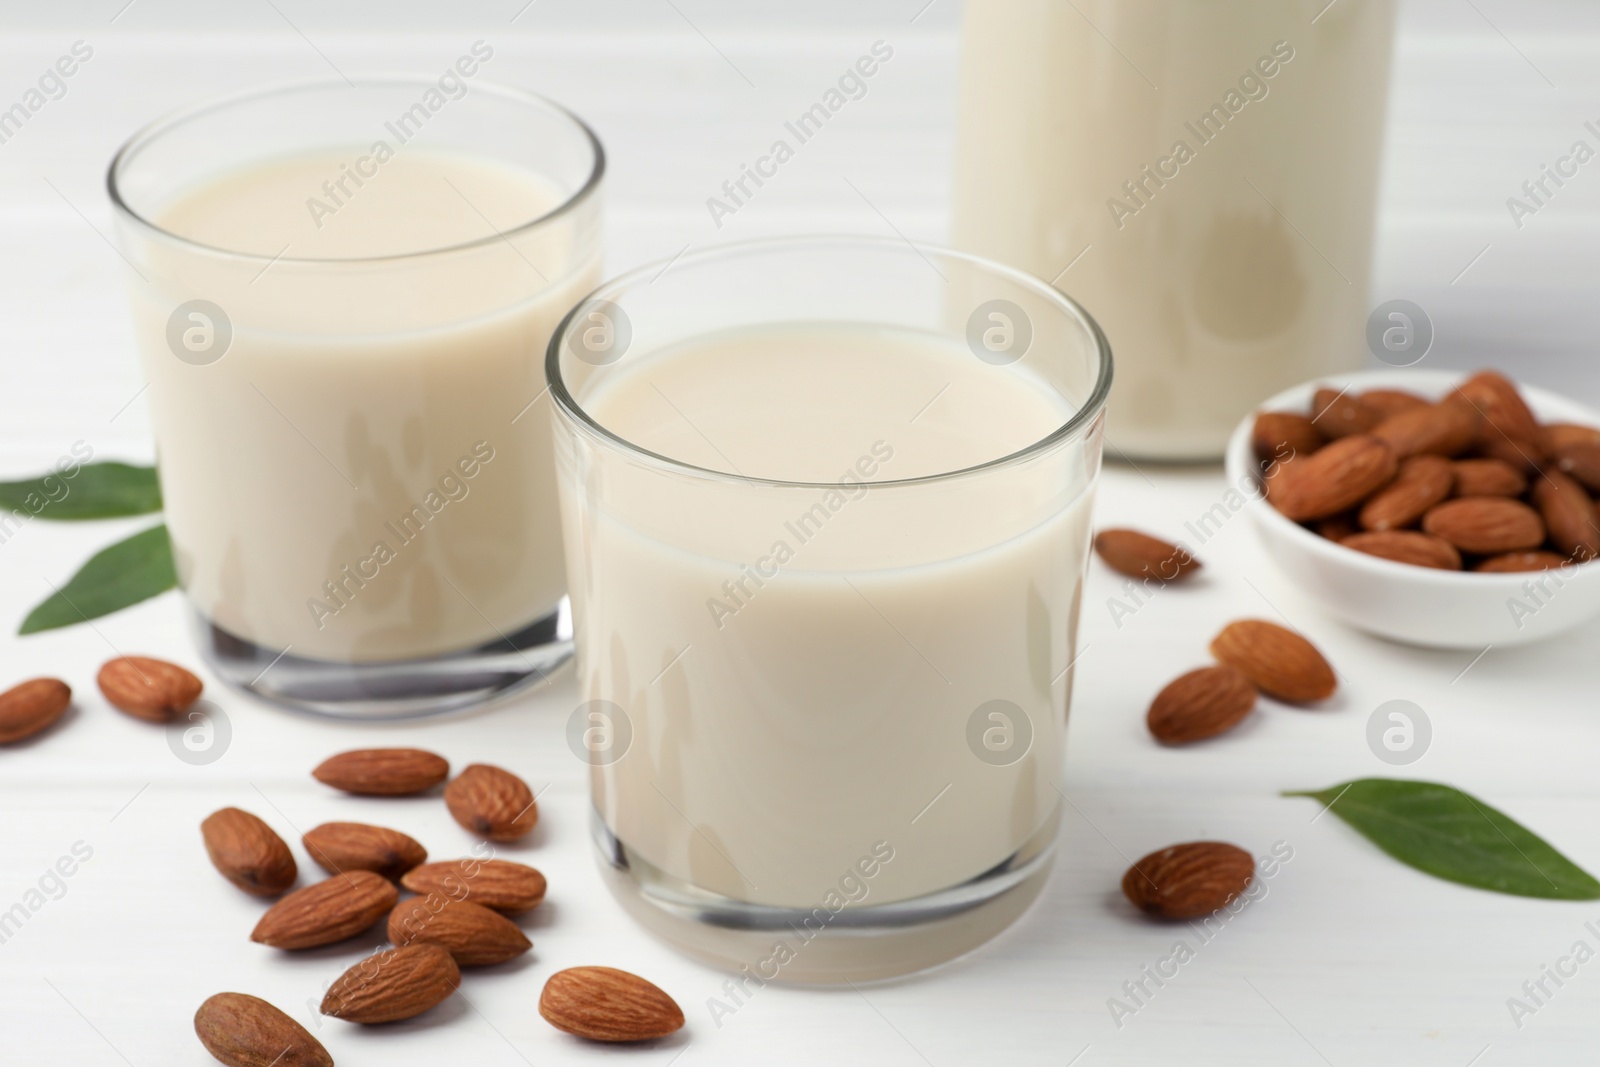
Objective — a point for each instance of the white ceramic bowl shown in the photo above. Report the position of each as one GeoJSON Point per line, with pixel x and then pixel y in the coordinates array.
{"type": "Point", "coordinates": [1417, 605]}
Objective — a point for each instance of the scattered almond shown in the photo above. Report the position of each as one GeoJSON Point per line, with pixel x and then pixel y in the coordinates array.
{"type": "Point", "coordinates": [499, 884]}
{"type": "Point", "coordinates": [1445, 429]}
{"type": "Point", "coordinates": [248, 852]}
{"type": "Point", "coordinates": [474, 935]}
{"type": "Point", "coordinates": [1188, 881]}
{"type": "Point", "coordinates": [329, 911]}
{"type": "Point", "coordinates": [493, 802]}
{"type": "Point", "coordinates": [1486, 525]}
{"type": "Point", "coordinates": [1568, 513]}
{"type": "Point", "coordinates": [1517, 562]}
{"type": "Point", "coordinates": [1422, 482]}
{"type": "Point", "coordinates": [1280, 662]}
{"type": "Point", "coordinates": [1332, 479]}
{"type": "Point", "coordinates": [398, 983]}
{"type": "Point", "coordinates": [1201, 704]}
{"type": "Point", "coordinates": [31, 707]}
{"type": "Point", "coordinates": [383, 772]}
{"type": "Point", "coordinates": [354, 846]}
{"type": "Point", "coordinates": [605, 1004]}
{"type": "Point", "coordinates": [1139, 555]}
{"type": "Point", "coordinates": [1281, 435]}
{"type": "Point", "coordinates": [1488, 477]}
{"type": "Point", "coordinates": [1336, 414]}
{"type": "Point", "coordinates": [245, 1031]}
{"type": "Point", "coordinates": [1407, 546]}
{"type": "Point", "coordinates": [149, 689]}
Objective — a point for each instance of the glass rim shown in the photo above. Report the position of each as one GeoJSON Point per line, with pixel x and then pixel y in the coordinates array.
{"type": "Point", "coordinates": [151, 131]}
{"type": "Point", "coordinates": [1078, 422]}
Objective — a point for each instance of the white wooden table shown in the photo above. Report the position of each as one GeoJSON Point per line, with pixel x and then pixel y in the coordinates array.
{"type": "Point", "coordinates": [1349, 959]}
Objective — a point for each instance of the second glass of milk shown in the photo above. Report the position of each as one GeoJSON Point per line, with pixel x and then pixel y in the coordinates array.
{"type": "Point", "coordinates": [343, 295]}
{"type": "Point", "coordinates": [826, 505]}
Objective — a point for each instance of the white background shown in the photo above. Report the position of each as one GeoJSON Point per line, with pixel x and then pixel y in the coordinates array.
{"type": "Point", "coordinates": [1350, 959]}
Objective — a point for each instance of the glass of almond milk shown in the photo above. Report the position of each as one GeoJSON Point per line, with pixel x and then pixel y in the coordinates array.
{"type": "Point", "coordinates": [1201, 174]}
{"type": "Point", "coordinates": [343, 294]}
{"type": "Point", "coordinates": [826, 506]}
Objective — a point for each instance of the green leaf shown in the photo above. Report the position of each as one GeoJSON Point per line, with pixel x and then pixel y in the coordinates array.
{"type": "Point", "coordinates": [1452, 835]}
{"type": "Point", "coordinates": [96, 491]}
{"type": "Point", "coordinates": [126, 573]}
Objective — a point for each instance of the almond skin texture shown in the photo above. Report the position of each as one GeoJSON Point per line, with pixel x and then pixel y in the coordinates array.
{"type": "Point", "coordinates": [1555, 436]}
{"type": "Point", "coordinates": [354, 846]}
{"type": "Point", "coordinates": [1407, 546]}
{"type": "Point", "coordinates": [383, 772]}
{"type": "Point", "coordinates": [1423, 481]}
{"type": "Point", "coordinates": [1518, 562]}
{"type": "Point", "coordinates": [398, 983]}
{"type": "Point", "coordinates": [605, 1004]}
{"type": "Point", "coordinates": [1486, 525]}
{"type": "Point", "coordinates": [1280, 435]}
{"type": "Point", "coordinates": [149, 689]}
{"type": "Point", "coordinates": [474, 935]}
{"type": "Point", "coordinates": [1139, 555]}
{"type": "Point", "coordinates": [1339, 414]}
{"type": "Point", "coordinates": [1445, 429]}
{"type": "Point", "coordinates": [1200, 704]}
{"type": "Point", "coordinates": [32, 707]}
{"type": "Point", "coordinates": [245, 1031]}
{"type": "Point", "coordinates": [1332, 479]}
{"type": "Point", "coordinates": [506, 887]}
{"type": "Point", "coordinates": [1509, 430]}
{"type": "Point", "coordinates": [1568, 514]}
{"type": "Point", "coordinates": [1488, 477]}
{"type": "Point", "coordinates": [329, 911]}
{"type": "Point", "coordinates": [1392, 401]}
{"type": "Point", "coordinates": [493, 802]}
{"type": "Point", "coordinates": [248, 853]}
{"type": "Point", "coordinates": [1581, 460]}
{"type": "Point", "coordinates": [1280, 662]}
{"type": "Point", "coordinates": [1188, 881]}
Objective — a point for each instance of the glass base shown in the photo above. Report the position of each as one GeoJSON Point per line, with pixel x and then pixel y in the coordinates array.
{"type": "Point", "coordinates": [393, 689]}
{"type": "Point", "coordinates": [858, 944]}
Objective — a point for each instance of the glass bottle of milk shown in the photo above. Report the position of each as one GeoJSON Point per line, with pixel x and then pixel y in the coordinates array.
{"type": "Point", "coordinates": [1200, 174]}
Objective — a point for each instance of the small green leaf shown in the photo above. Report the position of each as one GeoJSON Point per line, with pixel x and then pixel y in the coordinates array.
{"type": "Point", "coordinates": [96, 491]}
{"type": "Point", "coordinates": [126, 573]}
{"type": "Point", "coordinates": [1452, 835]}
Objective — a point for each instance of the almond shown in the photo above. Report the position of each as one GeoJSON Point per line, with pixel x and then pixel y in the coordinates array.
{"type": "Point", "coordinates": [1517, 562]}
{"type": "Point", "coordinates": [493, 802]}
{"type": "Point", "coordinates": [1337, 413]}
{"type": "Point", "coordinates": [1139, 555]}
{"type": "Point", "coordinates": [328, 911]}
{"type": "Point", "coordinates": [1555, 436]}
{"type": "Point", "coordinates": [474, 935]}
{"type": "Point", "coordinates": [1581, 459]}
{"type": "Point", "coordinates": [1486, 525]}
{"type": "Point", "coordinates": [1392, 401]}
{"type": "Point", "coordinates": [1444, 429]}
{"type": "Point", "coordinates": [1332, 479]}
{"type": "Point", "coordinates": [1407, 546]}
{"type": "Point", "coordinates": [1200, 704]}
{"type": "Point", "coordinates": [605, 1004]}
{"type": "Point", "coordinates": [248, 853]}
{"type": "Point", "coordinates": [1488, 477]}
{"type": "Point", "coordinates": [149, 689]}
{"type": "Point", "coordinates": [1422, 482]}
{"type": "Point", "coordinates": [499, 884]}
{"type": "Point", "coordinates": [1337, 527]}
{"type": "Point", "coordinates": [383, 772]}
{"type": "Point", "coordinates": [1568, 514]}
{"type": "Point", "coordinates": [1188, 881]}
{"type": "Point", "coordinates": [354, 846]}
{"type": "Point", "coordinates": [31, 707]}
{"type": "Point", "coordinates": [398, 983]}
{"type": "Point", "coordinates": [245, 1031]}
{"type": "Point", "coordinates": [1509, 429]}
{"type": "Point", "coordinates": [1280, 435]}
{"type": "Point", "coordinates": [1280, 662]}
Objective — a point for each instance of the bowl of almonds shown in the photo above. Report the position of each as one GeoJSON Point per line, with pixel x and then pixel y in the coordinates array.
{"type": "Point", "coordinates": [1432, 507]}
